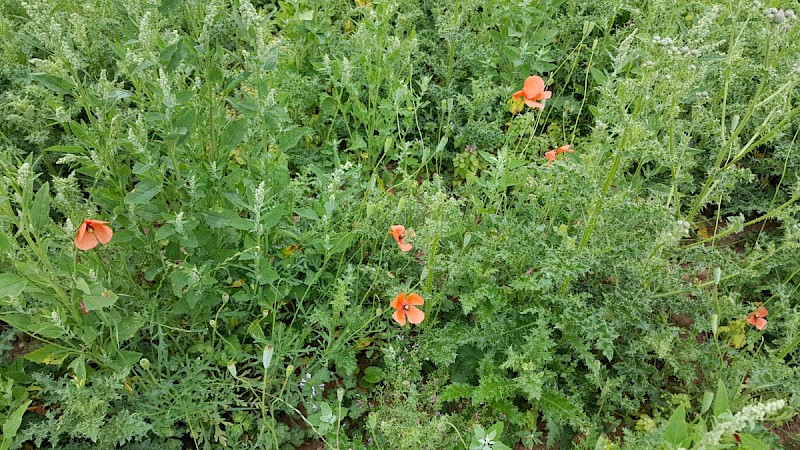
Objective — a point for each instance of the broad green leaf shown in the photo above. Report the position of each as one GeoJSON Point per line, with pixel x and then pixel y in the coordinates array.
{"type": "Point", "coordinates": [124, 358]}
{"type": "Point", "coordinates": [266, 273]}
{"type": "Point", "coordinates": [78, 367]}
{"type": "Point", "coordinates": [57, 84]}
{"type": "Point", "coordinates": [40, 210]}
{"type": "Point", "coordinates": [373, 374]}
{"type": "Point", "coordinates": [750, 442]}
{"type": "Point", "coordinates": [227, 219]}
{"type": "Point", "coordinates": [708, 397]}
{"type": "Point", "coordinates": [81, 284]}
{"type": "Point", "coordinates": [676, 430]}
{"type": "Point", "coordinates": [721, 402]}
{"type": "Point", "coordinates": [327, 415]}
{"type": "Point", "coordinates": [11, 285]}
{"type": "Point", "coordinates": [233, 134]}
{"type": "Point", "coordinates": [103, 299]}
{"type": "Point", "coordinates": [142, 193]}
{"type": "Point", "coordinates": [11, 426]}
{"type": "Point", "coordinates": [290, 138]}
{"type": "Point", "coordinates": [49, 354]}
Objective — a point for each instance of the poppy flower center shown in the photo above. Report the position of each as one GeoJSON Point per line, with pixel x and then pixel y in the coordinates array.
{"type": "Point", "coordinates": [406, 307]}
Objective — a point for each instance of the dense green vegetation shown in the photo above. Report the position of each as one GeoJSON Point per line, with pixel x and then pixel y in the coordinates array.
{"type": "Point", "coordinates": [216, 215]}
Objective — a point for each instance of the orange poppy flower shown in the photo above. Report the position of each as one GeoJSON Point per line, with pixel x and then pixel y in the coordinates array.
{"type": "Point", "coordinates": [563, 149]}
{"type": "Point", "coordinates": [91, 232]}
{"type": "Point", "coordinates": [406, 306]}
{"type": "Point", "coordinates": [757, 318]}
{"type": "Point", "coordinates": [532, 92]}
{"type": "Point", "coordinates": [399, 234]}
{"type": "Point", "coordinates": [551, 156]}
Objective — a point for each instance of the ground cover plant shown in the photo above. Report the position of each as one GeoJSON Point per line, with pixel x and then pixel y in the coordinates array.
{"type": "Point", "coordinates": [412, 224]}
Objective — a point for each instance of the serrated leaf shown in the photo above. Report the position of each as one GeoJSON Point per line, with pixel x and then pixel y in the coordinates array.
{"type": "Point", "coordinates": [556, 405]}
{"type": "Point", "coordinates": [676, 430]}
{"type": "Point", "coordinates": [11, 285]}
{"type": "Point", "coordinates": [456, 391]}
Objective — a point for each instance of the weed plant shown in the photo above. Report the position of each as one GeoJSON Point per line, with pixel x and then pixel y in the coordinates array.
{"type": "Point", "coordinates": [208, 207]}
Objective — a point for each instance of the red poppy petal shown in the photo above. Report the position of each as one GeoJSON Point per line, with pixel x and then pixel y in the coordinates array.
{"type": "Point", "coordinates": [404, 247]}
{"type": "Point", "coordinates": [103, 233]}
{"type": "Point", "coordinates": [517, 95]}
{"type": "Point", "coordinates": [533, 104]}
{"type": "Point", "coordinates": [534, 85]}
{"type": "Point", "coordinates": [397, 232]}
{"type": "Point", "coordinates": [761, 312]}
{"type": "Point", "coordinates": [414, 299]}
{"type": "Point", "coordinates": [760, 324]}
{"type": "Point", "coordinates": [414, 314]}
{"type": "Point", "coordinates": [83, 240]}
{"type": "Point", "coordinates": [398, 301]}
{"type": "Point", "coordinates": [751, 319]}
{"type": "Point", "coordinates": [400, 317]}
{"type": "Point", "coordinates": [544, 95]}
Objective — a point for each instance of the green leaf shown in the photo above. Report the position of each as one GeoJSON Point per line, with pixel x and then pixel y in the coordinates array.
{"type": "Point", "coordinates": [456, 391]}
{"type": "Point", "coordinates": [40, 210]}
{"type": "Point", "coordinates": [11, 285]}
{"type": "Point", "coordinates": [233, 134]}
{"type": "Point", "coordinates": [677, 430]}
{"type": "Point", "coordinates": [598, 76]}
{"type": "Point", "coordinates": [12, 424]}
{"type": "Point", "coordinates": [374, 374]}
{"type": "Point", "coordinates": [78, 367]}
{"type": "Point", "coordinates": [327, 415]}
{"type": "Point", "coordinates": [721, 402]}
{"type": "Point", "coordinates": [127, 358]}
{"type": "Point", "coordinates": [142, 193]}
{"type": "Point", "coordinates": [291, 137]}
{"type": "Point", "coordinates": [708, 397]}
{"type": "Point", "coordinates": [99, 300]}
{"type": "Point", "coordinates": [227, 219]}
{"type": "Point", "coordinates": [557, 406]}
{"type": "Point", "coordinates": [49, 354]}
{"type": "Point", "coordinates": [81, 284]}
{"type": "Point", "coordinates": [58, 85]}
{"type": "Point", "coordinates": [751, 442]}
{"type": "Point", "coordinates": [169, 5]}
